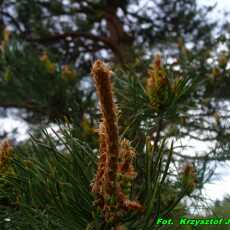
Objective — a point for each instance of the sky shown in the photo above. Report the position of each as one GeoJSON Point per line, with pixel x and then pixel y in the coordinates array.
{"type": "Point", "coordinates": [220, 183]}
{"type": "Point", "coordinates": [221, 4]}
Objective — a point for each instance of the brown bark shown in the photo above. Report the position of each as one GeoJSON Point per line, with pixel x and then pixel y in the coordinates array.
{"type": "Point", "coordinates": [117, 35]}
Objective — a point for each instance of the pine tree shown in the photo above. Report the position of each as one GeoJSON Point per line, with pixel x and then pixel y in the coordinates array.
{"type": "Point", "coordinates": [42, 44]}
{"type": "Point", "coordinates": [47, 48]}
{"type": "Point", "coordinates": [57, 184]}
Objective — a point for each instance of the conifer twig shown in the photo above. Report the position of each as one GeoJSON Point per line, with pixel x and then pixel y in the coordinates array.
{"type": "Point", "coordinates": [102, 77]}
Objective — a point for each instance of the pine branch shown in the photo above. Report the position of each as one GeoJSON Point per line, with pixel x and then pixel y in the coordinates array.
{"type": "Point", "coordinates": [23, 105]}
{"type": "Point", "coordinates": [12, 20]}
{"type": "Point", "coordinates": [56, 37]}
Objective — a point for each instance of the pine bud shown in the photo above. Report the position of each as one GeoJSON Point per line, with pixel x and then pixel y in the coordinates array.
{"type": "Point", "coordinates": [157, 62]}
{"type": "Point", "coordinates": [51, 67]}
{"type": "Point", "coordinates": [216, 72]}
{"type": "Point", "coordinates": [115, 170]}
{"type": "Point", "coordinates": [157, 83]}
{"type": "Point", "coordinates": [189, 179]}
{"type": "Point", "coordinates": [5, 40]}
{"type": "Point", "coordinates": [223, 60]}
{"type": "Point", "coordinates": [5, 153]}
{"type": "Point", "coordinates": [120, 227]}
{"type": "Point", "coordinates": [68, 73]}
{"type": "Point", "coordinates": [8, 74]}
{"type": "Point", "coordinates": [216, 116]}
{"type": "Point", "coordinates": [28, 163]}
